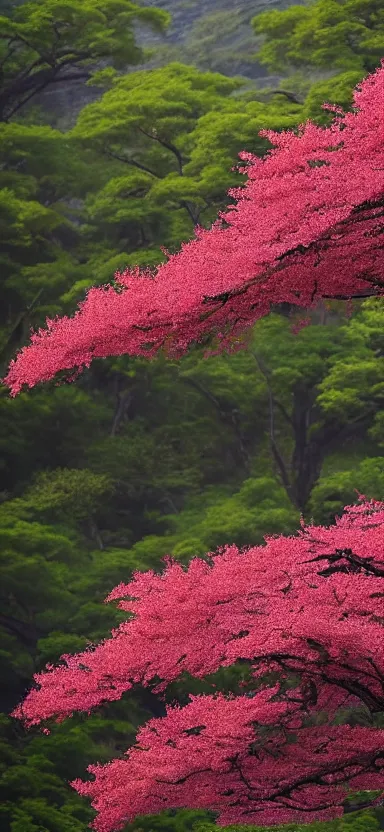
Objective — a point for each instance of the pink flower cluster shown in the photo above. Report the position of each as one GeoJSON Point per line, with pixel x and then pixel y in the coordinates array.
{"type": "Point", "coordinates": [310, 605]}
{"type": "Point", "coordinates": [306, 225]}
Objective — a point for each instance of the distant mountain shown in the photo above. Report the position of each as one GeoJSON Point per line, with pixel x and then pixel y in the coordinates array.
{"type": "Point", "coordinates": [214, 35]}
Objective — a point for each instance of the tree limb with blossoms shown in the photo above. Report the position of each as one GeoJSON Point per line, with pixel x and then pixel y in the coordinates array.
{"type": "Point", "coordinates": [308, 609]}
{"type": "Point", "coordinates": [304, 612]}
{"type": "Point", "coordinates": [308, 224]}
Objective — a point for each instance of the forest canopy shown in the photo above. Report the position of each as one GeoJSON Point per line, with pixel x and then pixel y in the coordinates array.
{"type": "Point", "coordinates": [139, 460]}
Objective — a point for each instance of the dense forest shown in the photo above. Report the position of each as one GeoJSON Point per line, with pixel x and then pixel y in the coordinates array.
{"type": "Point", "coordinates": [141, 459]}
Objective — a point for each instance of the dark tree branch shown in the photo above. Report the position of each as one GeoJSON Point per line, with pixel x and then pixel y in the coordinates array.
{"type": "Point", "coordinates": [278, 404]}
{"type": "Point", "coordinates": [168, 146]}
{"type": "Point", "coordinates": [95, 534]}
{"type": "Point", "coordinates": [356, 563]}
{"type": "Point", "coordinates": [20, 318]}
{"type": "Point", "coordinates": [23, 630]}
{"type": "Point", "coordinates": [32, 82]}
{"type": "Point", "coordinates": [225, 415]}
{"type": "Point", "coordinates": [289, 95]}
{"type": "Point", "coordinates": [10, 52]}
{"type": "Point", "coordinates": [358, 214]}
{"type": "Point", "coordinates": [126, 161]}
{"type": "Point", "coordinates": [7, 116]}
{"type": "Point", "coordinates": [123, 402]}
{"type": "Point", "coordinates": [194, 216]}
{"type": "Point", "coordinates": [275, 450]}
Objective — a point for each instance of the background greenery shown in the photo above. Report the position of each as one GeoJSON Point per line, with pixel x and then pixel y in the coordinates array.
{"type": "Point", "coordinates": [137, 460]}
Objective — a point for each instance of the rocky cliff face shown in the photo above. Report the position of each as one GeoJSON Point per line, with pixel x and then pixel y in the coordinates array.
{"type": "Point", "coordinates": [214, 35]}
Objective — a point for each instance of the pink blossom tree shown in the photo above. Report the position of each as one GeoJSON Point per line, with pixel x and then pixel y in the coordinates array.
{"type": "Point", "coordinates": [307, 224]}
{"type": "Point", "coordinates": [305, 612]}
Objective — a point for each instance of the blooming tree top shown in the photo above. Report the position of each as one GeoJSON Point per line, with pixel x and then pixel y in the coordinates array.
{"type": "Point", "coordinates": [306, 225]}
{"type": "Point", "coordinates": [309, 605]}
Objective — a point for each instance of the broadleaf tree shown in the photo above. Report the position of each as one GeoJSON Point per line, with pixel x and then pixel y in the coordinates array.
{"type": "Point", "coordinates": [168, 139]}
{"type": "Point", "coordinates": [44, 44]}
{"type": "Point", "coordinates": [307, 225]}
{"type": "Point", "coordinates": [325, 47]}
{"type": "Point", "coordinates": [305, 612]}
{"type": "Point", "coordinates": [326, 35]}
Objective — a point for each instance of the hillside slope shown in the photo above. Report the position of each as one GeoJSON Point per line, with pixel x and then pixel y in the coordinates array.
{"type": "Point", "coordinates": [214, 35]}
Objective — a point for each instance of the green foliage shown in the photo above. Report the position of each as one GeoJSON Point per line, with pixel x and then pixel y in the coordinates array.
{"type": "Point", "coordinates": [140, 459]}
{"type": "Point", "coordinates": [260, 507]}
{"type": "Point", "coordinates": [41, 41]}
{"type": "Point", "coordinates": [361, 822]}
{"type": "Point", "coordinates": [67, 494]}
{"type": "Point", "coordinates": [34, 772]}
{"type": "Point", "coordinates": [335, 90]}
{"type": "Point", "coordinates": [325, 48]}
{"type": "Point", "coordinates": [327, 34]}
{"type": "Point", "coordinates": [169, 821]}
{"type": "Point", "coordinates": [336, 490]}
{"type": "Point", "coordinates": [175, 133]}
{"type": "Point", "coordinates": [39, 174]}
{"type": "Point", "coordinates": [354, 388]}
